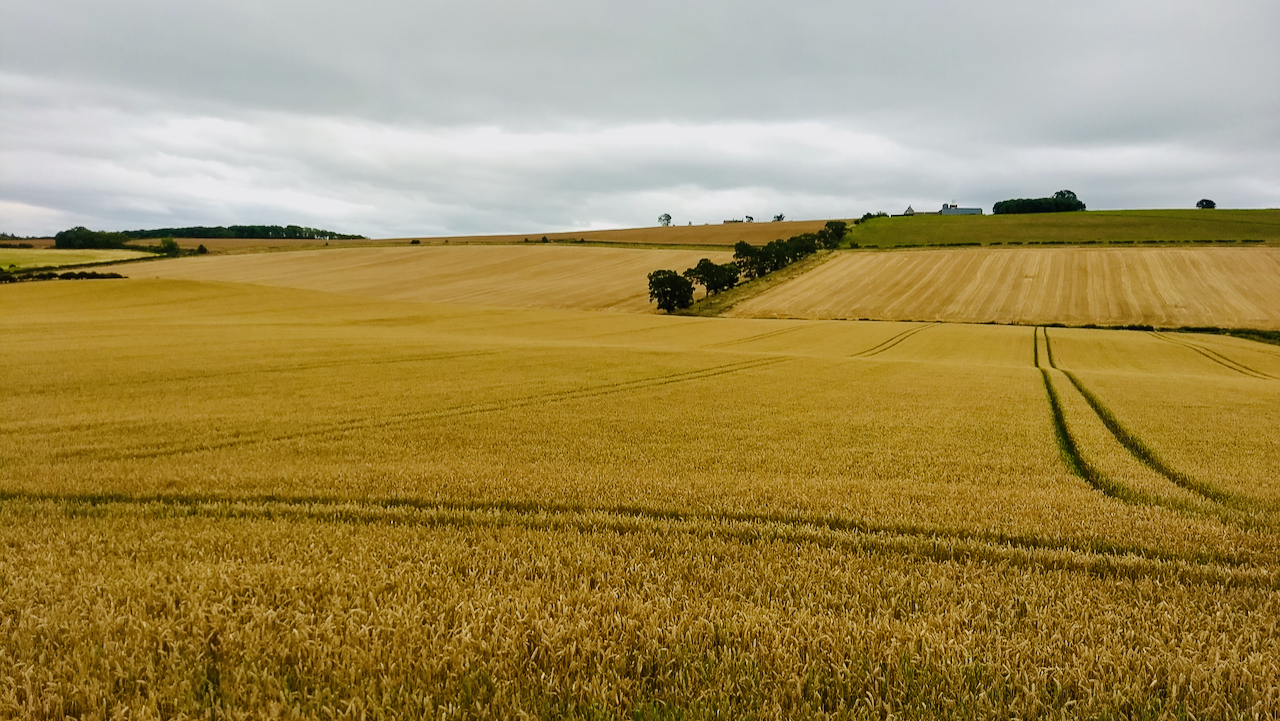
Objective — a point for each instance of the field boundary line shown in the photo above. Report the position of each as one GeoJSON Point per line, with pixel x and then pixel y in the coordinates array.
{"type": "Point", "coordinates": [935, 544]}
{"type": "Point", "coordinates": [1216, 357]}
{"type": "Point", "coordinates": [885, 345]}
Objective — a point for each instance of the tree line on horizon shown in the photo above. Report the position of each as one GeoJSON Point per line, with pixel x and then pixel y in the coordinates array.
{"type": "Point", "coordinates": [285, 232]}
{"type": "Point", "coordinates": [81, 237]}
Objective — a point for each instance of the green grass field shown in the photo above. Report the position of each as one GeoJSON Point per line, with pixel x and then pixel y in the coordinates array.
{"type": "Point", "coordinates": [221, 500]}
{"type": "Point", "coordinates": [1091, 227]}
{"type": "Point", "coordinates": [13, 259]}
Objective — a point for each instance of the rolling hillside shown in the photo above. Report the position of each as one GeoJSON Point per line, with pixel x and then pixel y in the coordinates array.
{"type": "Point", "coordinates": [1087, 228]}
{"type": "Point", "coordinates": [535, 276]}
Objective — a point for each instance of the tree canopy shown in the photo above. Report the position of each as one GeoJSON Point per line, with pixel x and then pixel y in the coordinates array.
{"type": "Point", "coordinates": [287, 232]}
{"type": "Point", "coordinates": [670, 290]}
{"type": "Point", "coordinates": [1062, 201]}
{"type": "Point", "coordinates": [713, 277]}
{"type": "Point", "coordinates": [1206, 204]}
{"type": "Point", "coordinates": [81, 237]}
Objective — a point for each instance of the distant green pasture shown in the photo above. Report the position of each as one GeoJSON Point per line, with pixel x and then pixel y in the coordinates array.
{"type": "Point", "coordinates": [23, 258]}
{"type": "Point", "coordinates": [1087, 227]}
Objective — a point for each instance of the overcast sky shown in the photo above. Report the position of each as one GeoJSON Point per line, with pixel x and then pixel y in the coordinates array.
{"type": "Point", "coordinates": [420, 117]}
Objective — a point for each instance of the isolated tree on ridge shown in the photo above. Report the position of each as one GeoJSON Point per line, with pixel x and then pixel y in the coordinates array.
{"type": "Point", "coordinates": [1206, 204]}
{"type": "Point", "coordinates": [665, 219]}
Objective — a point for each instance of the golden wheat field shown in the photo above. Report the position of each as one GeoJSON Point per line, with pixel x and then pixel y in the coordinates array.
{"type": "Point", "coordinates": [227, 500]}
{"type": "Point", "coordinates": [1165, 287]}
{"type": "Point", "coordinates": [613, 279]}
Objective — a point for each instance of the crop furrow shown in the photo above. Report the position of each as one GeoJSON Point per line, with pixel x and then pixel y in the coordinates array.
{"type": "Point", "coordinates": [1141, 451]}
{"type": "Point", "coordinates": [401, 419]}
{"type": "Point", "coordinates": [1132, 443]}
{"type": "Point", "coordinates": [402, 510]}
{"type": "Point", "coordinates": [1216, 357]}
{"type": "Point", "coordinates": [931, 544]}
{"type": "Point", "coordinates": [891, 342]}
{"type": "Point", "coordinates": [1075, 460]}
{"type": "Point", "coordinates": [753, 338]}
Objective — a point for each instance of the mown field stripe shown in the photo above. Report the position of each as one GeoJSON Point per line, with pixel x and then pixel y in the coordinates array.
{"type": "Point", "coordinates": [936, 544]}
{"type": "Point", "coordinates": [1216, 357]}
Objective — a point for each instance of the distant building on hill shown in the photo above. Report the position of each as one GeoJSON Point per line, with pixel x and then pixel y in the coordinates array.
{"type": "Point", "coordinates": [947, 209]}
{"type": "Point", "coordinates": [953, 209]}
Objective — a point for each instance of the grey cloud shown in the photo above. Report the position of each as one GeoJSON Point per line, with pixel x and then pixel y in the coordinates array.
{"type": "Point", "coordinates": [393, 117]}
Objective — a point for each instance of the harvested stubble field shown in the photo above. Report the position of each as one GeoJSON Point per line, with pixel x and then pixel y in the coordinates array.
{"type": "Point", "coordinates": [1164, 287]}
{"type": "Point", "coordinates": [230, 500]}
{"type": "Point", "coordinates": [537, 276]}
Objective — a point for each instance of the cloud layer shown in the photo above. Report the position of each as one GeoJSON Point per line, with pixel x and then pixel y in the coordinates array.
{"type": "Point", "coordinates": [405, 118]}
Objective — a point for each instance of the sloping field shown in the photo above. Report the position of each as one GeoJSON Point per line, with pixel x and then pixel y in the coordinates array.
{"type": "Point", "coordinates": [1166, 287]}
{"type": "Point", "coordinates": [230, 500]}
{"type": "Point", "coordinates": [1101, 227]}
{"type": "Point", "coordinates": [21, 258]}
{"type": "Point", "coordinates": [515, 276]}
{"type": "Point", "coordinates": [725, 234]}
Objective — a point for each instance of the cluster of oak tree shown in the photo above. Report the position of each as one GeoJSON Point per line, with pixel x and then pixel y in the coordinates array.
{"type": "Point", "coordinates": [673, 291]}
{"type": "Point", "coordinates": [1063, 201]}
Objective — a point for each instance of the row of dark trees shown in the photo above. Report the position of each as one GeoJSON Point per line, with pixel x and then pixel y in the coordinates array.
{"type": "Point", "coordinates": [7, 277]}
{"type": "Point", "coordinates": [286, 232]}
{"type": "Point", "coordinates": [673, 291]}
{"type": "Point", "coordinates": [82, 237]}
{"type": "Point", "coordinates": [1062, 201]}
{"type": "Point", "coordinates": [777, 254]}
